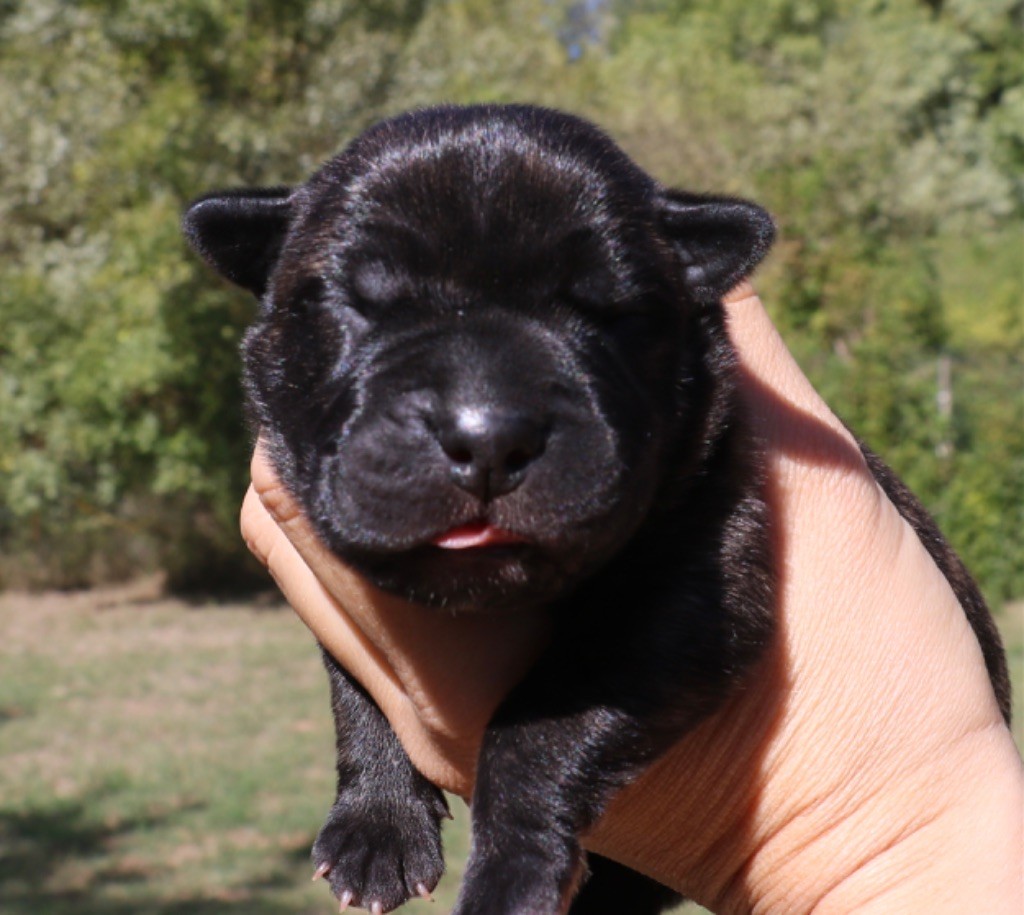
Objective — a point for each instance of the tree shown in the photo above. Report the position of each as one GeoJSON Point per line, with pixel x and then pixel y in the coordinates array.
{"type": "Point", "coordinates": [121, 438]}
{"type": "Point", "coordinates": [885, 137]}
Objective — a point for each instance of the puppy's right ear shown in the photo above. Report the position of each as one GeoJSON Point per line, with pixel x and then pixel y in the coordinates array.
{"type": "Point", "coordinates": [718, 240]}
{"type": "Point", "coordinates": [240, 233]}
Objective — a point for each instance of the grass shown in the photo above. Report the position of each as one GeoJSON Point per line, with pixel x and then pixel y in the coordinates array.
{"type": "Point", "coordinates": [160, 757]}
{"type": "Point", "coordinates": [163, 758]}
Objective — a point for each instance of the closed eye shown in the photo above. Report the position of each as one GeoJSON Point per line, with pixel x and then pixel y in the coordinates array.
{"type": "Point", "coordinates": [606, 310]}
{"type": "Point", "coordinates": [376, 282]}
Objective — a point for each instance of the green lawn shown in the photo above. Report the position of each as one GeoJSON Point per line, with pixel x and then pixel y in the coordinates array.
{"type": "Point", "coordinates": [161, 757]}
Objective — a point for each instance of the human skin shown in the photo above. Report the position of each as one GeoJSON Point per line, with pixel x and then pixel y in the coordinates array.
{"type": "Point", "coordinates": [865, 767]}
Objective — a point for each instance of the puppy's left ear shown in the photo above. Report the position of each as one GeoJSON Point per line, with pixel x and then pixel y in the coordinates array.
{"type": "Point", "coordinates": [719, 240]}
{"type": "Point", "coordinates": [240, 233]}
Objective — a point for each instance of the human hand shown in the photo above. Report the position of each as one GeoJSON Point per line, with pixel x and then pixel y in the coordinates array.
{"type": "Point", "coordinates": [866, 767]}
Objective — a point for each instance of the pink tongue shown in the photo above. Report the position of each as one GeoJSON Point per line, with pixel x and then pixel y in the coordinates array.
{"type": "Point", "coordinates": [477, 533]}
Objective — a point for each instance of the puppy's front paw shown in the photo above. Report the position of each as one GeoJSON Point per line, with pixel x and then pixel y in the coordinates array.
{"type": "Point", "coordinates": [520, 884]}
{"type": "Point", "coordinates": [377, 853]}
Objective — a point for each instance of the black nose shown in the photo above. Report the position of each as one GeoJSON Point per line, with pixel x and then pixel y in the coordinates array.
{"type": "Point", "coordinates": [490, 450]}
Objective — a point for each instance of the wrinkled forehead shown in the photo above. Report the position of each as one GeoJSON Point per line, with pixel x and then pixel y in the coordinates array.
{"type": "Point", "coordinates": [484, 190]}
{"type": "Point", "coordinates": [481, 206]}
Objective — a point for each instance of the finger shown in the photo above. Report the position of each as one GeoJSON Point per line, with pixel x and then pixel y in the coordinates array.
{"type": "Point", "coordinates": [272, 492]}
{"type": "Point", "coordinates": [281, 510]}
{"type": "Point", "coordinates": [320, 607]}
{"type": "Point", "coordinates": [251, 522]}
{"type": "Point", "coordinates": [741, 291]}
{"type": "Point", "coordinates": [268, 542]}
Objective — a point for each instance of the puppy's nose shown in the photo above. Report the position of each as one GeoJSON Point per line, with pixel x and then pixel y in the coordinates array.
{"type": "Point", "coordinates": [489, 451]}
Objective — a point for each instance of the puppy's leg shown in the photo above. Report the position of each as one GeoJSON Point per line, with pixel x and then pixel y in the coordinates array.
{"type": "Point", "coordinates": [601, 705]}
{"type": "Point", "coordinates": [381, 842]}
{"type": "Point", "coordinates": [613, 888]}
{"type": "Point", "coordinates": [550, 761]}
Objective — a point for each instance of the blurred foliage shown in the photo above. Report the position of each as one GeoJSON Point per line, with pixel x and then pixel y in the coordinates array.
{"type": "Point", "coordinates": [887, 136]}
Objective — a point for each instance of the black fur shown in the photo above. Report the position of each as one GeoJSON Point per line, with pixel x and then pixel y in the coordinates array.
{"type": "Point", "coordinates": [491, 316]}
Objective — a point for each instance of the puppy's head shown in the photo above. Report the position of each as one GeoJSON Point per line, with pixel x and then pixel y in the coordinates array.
{"type": "Point", "coordinates": [480, 350]}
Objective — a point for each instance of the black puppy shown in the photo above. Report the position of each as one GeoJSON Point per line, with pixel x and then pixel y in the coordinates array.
{"type": "Point", "coordinates": [491, 365]}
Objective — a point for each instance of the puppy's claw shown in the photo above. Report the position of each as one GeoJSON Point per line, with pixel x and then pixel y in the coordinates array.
{"type": "Point", "coordinates": [345, 898]}
{"type": "Point", "coordinates": [423, 892]}
{"type": "Point", "coordinates": [322, 871]}
{"type": "Point", "coordinates": [376, 908]}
